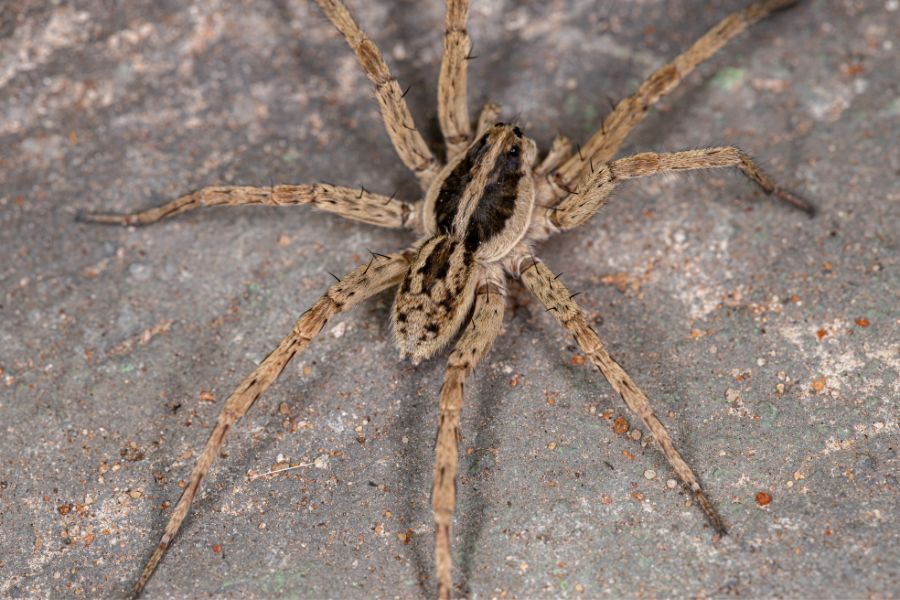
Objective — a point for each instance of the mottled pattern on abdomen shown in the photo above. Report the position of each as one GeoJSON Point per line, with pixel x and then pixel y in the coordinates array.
{"type": "Point", "coordinates": [434, 298]}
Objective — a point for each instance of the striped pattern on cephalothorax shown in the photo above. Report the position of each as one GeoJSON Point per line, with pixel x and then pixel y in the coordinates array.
{"type": "Point", "coordinates": [485, 197]}
{"type": "Point", "coordinates": [476, 211]}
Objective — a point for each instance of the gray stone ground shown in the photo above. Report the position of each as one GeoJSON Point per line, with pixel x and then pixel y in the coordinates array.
{"type": "Point", "coordinates": [767, 341]}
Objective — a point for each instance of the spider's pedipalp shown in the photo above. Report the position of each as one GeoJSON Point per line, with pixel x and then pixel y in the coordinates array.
{"type": "Point", "coordinates": [489, 115]}
{"type": "Point", "coordinates": [630, 111]}
{"type": "Point", "coordinates": [398, 120]}
{"type": "Point", "coordinates": [560, 151]}
{"type": "Point", "coordinates": [470, 349]}
{"type": "Point", "coordinates": [453, 108]}
{"type": "Point", "coordinates": [355, 204]}
{"type": "Point", "coordinates": [361, 283]}
{"type": "Point", "coordinates": [557, 299]}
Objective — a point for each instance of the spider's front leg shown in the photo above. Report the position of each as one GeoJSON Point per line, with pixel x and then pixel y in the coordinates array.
{"type": "Point", "coordinates": [472, 346]}
{"type": "Point", "coordinates": [596, 189]}
{"type": "Point", "coordinates": [557, 299]}
{"type": "Point", "coordinates": [398, 120]}
{"type": "Point", "coordinates": [629, 112]}
{"type": "Point", "coordinates": [361, 283]}
{"type": "Point", "coordinates": [453, 108]}
{"type": "Point", "coordinates": [355, 204]}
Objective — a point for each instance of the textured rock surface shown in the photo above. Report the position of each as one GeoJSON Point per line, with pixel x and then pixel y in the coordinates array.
{"type": "Point", "coordinates": [767, 341]}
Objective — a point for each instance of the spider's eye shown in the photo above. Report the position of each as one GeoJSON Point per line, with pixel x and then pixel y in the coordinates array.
{"type": "Point", "coordinates": [517, 131]}
{"type": "Point", "coordinates": [514, 151]}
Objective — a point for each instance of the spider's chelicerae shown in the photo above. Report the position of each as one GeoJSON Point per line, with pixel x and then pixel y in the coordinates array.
{"type": "Point", "coordinates": [483, 213]}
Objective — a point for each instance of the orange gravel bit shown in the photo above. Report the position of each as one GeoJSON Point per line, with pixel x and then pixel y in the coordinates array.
{"type": "Point", "coordinates": [763, 498]}
{"type": "Point", "coordinates": [818, 384]}
{"type": "Point", "coordinates": [405, 536]}
{"type": "Point", "coordinates": [620, 425]}
{"type": "Point", "coordinates": [862, 322]}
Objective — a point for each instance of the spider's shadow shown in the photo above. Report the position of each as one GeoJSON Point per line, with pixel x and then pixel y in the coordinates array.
{"type": "Point", "coordinates": [416, 465]}
{"type": "Point", "coordinates": [413, 476]}
{"type": "Point", "coordinates": [474, 503]}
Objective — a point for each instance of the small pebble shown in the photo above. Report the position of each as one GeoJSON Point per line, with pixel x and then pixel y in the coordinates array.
{"type": "Point", "coordinates": [620, 425]}
{"type": "Point", "coordinates": [635, 434]}
{"type": "Point", "coordinates": [339, 329]}
{"type": "Point", "coordinates": [649, 474]}
{"type": "Point", "coordinates": [671, 483]}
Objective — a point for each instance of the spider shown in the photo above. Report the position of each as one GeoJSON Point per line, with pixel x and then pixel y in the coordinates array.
{"type": "Point", "coordinates": [483, 212]}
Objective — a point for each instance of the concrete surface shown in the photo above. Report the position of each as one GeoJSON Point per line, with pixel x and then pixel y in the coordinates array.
{"type": "Point", "coordinates": [767, 341]}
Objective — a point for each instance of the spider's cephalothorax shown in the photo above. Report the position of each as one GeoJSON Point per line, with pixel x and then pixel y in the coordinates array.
{"type": "Point", "coordinates": [482, 214]}
{"type": "Point", "coordinates": [476, 210]}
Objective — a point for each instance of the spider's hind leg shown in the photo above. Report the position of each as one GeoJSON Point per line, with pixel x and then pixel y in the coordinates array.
{"type": "Point", "coordinates": [357, 204]}
{"type": "Point", "coordinates": [471, 347]}
{"type": "Point", "coordinates": [361, 283]}
{"type": "Point", "coordinates": [557, 299]}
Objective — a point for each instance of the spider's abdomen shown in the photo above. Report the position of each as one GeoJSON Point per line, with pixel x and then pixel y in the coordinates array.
{"type": "Point", "coordinates": [435, 297]}
{"type": "Point", "coordinates": [484, 198]}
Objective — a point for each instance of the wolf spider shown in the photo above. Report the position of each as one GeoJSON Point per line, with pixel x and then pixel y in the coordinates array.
{"type": "Point", "coordinates": [483, 212]}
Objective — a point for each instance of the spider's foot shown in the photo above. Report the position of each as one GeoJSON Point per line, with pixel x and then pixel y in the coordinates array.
{"type": "Point", "coordinates": [711, 515]}
{"type": "Point", "coordinates": [795, 201]}
{"type": "Point", "coordinates": [770, 6]}
{"type": "Point", "coordinates": [105, 218]}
